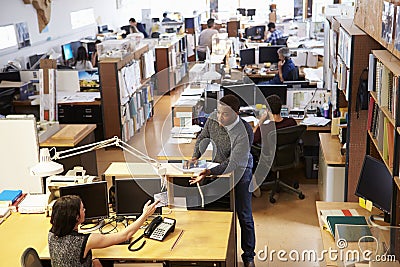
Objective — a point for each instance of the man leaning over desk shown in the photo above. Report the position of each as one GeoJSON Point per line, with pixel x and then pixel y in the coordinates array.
{"type": "Point", "coordinates": [274, 34]}
{"type": "Point", "coordinates": [231, 138]}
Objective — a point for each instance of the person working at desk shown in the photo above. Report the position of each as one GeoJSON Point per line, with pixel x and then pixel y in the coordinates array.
{"type": "Point", "coordinates": [273, 115]}
{"type": "Point", "coordinates": [273, 35]}
{"type": "Point", "coordinates": [68, 248]}
{"type": "Point", "coordinates": [205, 39]}
{"type": "Point", "coordinates": [135, 27]}
{"type": "Point", "coordinates": [166, 19]}
{"type": "Point", "coordinates": [285, 67]}
{"type": "Point", "coordinates": [231, 138]}
{"type": "Point", "coordinates": [82, 62]}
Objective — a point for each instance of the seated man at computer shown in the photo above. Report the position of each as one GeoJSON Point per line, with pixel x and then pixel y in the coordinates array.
{"type": "Point", "coordinates": [273, 115]}
{"type": "Point", "coordinates": [137, 27]}
{"type": "Point", "coordinates": [285, 67]}
{"type": "Point", "coordinates": [273, 35]}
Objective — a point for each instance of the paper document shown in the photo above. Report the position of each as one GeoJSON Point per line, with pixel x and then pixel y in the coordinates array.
{"type": "Point", "coordinates": [315, 121]}
{"type": "Point", "coordinates": [197, 168]}
{"type": "Point", "coordinates": [186, 130]}
{"type": "Point", "coordinates": [71, 97]}
{"type": "Point", "coordinates": [33, 203]}
{"type": "Point", "coordinates": [250, 119]}
{"type": "Point", "coordinates": [172, 140]}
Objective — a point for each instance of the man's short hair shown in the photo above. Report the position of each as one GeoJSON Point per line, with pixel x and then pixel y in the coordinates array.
{"type": "Point", "coordinates": [271, 25]}
{"type": "Point", "coordinates": [231, 101]}
{"type": "Point", "coordinates": [164, 14]}
{"type": "Point", "coordinates": [284, 51]}
{"type": "Point", "coordinates": [275, 104]}
{"type": "Point", "coordinates": [132, 20]}
{"type": "Point", "coordinates": [210, 23]}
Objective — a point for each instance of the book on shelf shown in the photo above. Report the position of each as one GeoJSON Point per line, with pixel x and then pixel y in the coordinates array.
{"type": "Point", "coordinates": [5, 212]}
{"type": "Point", "coordinates": [336, 212]}
{"type": "Point", "coordinates": [345, 231]}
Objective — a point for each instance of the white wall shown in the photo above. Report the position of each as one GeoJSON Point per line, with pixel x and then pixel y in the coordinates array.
{"type": "Point", "coordinates": [60, 29]}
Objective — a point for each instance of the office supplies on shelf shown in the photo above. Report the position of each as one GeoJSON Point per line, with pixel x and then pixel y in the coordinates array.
{"type": "Point", "coordinates": [177, 239]}
{"type": "Point", "coordinates": [337, 212]}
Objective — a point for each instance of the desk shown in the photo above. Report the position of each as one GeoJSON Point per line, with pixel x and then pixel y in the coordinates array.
{"type": "Point", "coordinates": [179, 152]}
{"type": "Point", "coordinates": [87, 160]}
{"type": "Point", "coordinates": [143, 170]}
{"type": "Point", "coordinates": [331, 172]}
{"type": "Point", "coordinates": [204, 240]}
{"type": "Point", "coordinates": [328, 241]}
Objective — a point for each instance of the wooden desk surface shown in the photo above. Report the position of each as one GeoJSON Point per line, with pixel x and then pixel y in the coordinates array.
{"type": "Point", "coordinates": [331, 146]}
{"type": "Point", "coordinates": [328, 241]}
{"type": "Point", "coordinates": [180, 152]}
{"type": "Point", "coordinates": [29, 103]}
{"type": "Point", "coordinates": [20, 231]}
{"type": "Point", "coordinates": [52, 142]}
{"type": "Point", "coordinates": [204, 239]}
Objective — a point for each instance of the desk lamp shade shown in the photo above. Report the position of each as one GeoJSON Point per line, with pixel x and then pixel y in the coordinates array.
{"type": "Point", "coordinates": [46, 167]}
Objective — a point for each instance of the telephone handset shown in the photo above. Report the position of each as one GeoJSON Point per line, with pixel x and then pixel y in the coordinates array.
{"type": "Point", "coordinates": [159, 228]}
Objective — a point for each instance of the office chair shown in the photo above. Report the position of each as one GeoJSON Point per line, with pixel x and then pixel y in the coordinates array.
{"type": "Point", "coordinates": [293, 74]}
{"type": "Point", "coordinates": [30, 258]}
{"type": "Point", "coordinates": [284, 156]}
{"type": "Point", "coordinates": [282, 41]}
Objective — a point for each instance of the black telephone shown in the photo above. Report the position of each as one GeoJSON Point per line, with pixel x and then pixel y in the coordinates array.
{"type": "Point", "coordinates": [159, 228]}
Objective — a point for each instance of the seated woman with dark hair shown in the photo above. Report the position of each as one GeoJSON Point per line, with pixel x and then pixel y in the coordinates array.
{"type": "Point", "coordinates": [68, 248]}
{"type": "Point", "coordinates": [82, 61]}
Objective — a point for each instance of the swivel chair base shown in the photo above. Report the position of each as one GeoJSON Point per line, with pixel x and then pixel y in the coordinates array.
{"type": "Point", "coordinates": [278, 184]}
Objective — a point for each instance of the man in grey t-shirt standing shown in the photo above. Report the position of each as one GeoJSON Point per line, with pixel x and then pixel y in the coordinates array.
{"type": "Point", "coordinates": [205, 39]}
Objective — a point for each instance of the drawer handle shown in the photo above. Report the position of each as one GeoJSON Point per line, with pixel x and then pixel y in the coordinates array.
{"type": "Point", "coordinates": [88, 110]}
{"type": "Point", "coordinates": [87, 116]}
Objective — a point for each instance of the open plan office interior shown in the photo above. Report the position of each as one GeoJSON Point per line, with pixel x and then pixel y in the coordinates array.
{"type": "Point", "coordinates": [120, 133]}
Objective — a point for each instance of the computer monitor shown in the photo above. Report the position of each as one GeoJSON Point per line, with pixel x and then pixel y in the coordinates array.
{"type": "Point", "coordinates": [255, 32]}
{"type": "Point", "coordinates": [247, 56]}
{"type": "Point", "coordinates": [268, 54]}
{"type": "Point", "coordinates": [93, 196]}
{"type": "Point", "coordinates": [74, 46]}
{"type": "Point", "coordinates": [102, 28]}
{"type": "Point", "coordinates": [13, 76]}
{"type": "Point", "coordinates": [132, 193]}
{"type": "Point", "coordinates": [245, 93]}
{"type": "Point", "coordinates": [376, 185]}
{"type": "Point", "coordinates": [67, 52]}
{"type": "Point", "coordinates": [271, 89]}
{"type": "Point", "coordinates": [33, 60]}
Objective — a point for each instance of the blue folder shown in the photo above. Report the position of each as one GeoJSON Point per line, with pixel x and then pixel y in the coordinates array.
{"type": "Point", "coordinates": [10, 195]}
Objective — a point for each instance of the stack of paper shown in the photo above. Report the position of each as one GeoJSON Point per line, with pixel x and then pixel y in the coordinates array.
{"type": "Point", "coordinates": [36, 203]}
{"type": "Point", "coordinates": [4, 213]}
{"type": "Point", "coordinates": [315, 121]}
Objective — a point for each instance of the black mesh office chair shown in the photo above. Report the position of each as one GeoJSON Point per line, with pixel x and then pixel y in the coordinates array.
{"type": "Point", "coordinates": [284, 156]}
{"type": "Point", "coordinates": [30, 258]}
{"type": "Point", "coordinates": [282, 41]}
{"type": "Point", "coordinates": [6, 101]}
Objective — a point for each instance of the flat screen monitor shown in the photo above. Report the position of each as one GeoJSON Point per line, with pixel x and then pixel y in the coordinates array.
{"type": "Point", "coordinates": [247, 56]}
{"type": "Point", "coordinates": [74, 46]}
{"type": "Point", "coordinates": [67, 52]}
{"type": "Point", "coordinates": [245, 93]}
{"type": "Point", "coordinates": [13, 76]}
{"type": "Point", "coordinates": [242, 11]}
{"type": "Point", "coordinates": [271, 89]}
{"type": "Point", "coordinates": [93, 196]}
{"type": "Point", "coordinates": [33, 60]}
{"type": "Point", "coordinates": [268, 54]}
{"type": "Point", "coordinates": [375, 184]}
{"type": "Point", "coordinates": [132, 193]}
{"type": "Point", "coordinates": [255, 32]}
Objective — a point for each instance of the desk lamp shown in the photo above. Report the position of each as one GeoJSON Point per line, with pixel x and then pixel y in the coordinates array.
{"type": "Point", "coordinates": [47, 166]}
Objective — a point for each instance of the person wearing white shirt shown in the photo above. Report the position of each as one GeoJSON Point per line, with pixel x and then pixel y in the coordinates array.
{"type": "Point", "coordinates": [82, 62]}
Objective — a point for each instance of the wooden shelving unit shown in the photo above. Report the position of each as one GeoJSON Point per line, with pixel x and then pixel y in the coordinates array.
{"type": "Point", "coordinates": [111, 91]}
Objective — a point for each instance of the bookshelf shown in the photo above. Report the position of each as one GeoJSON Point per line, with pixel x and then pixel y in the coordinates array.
{"type": "Point", "coordinates": [171, 64]}
{"type": "Point", "coordinates": [386, 88]}
{"type": "Point", "coordinates": [126, 96]}
{"type": "Point", "coordinates": [348, 57]}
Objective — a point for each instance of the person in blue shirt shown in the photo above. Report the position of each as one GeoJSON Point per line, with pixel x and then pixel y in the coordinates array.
{"type": "Point", "coordinates": [274, 34]}
{"type": "Point", "coordinates": [285, 67]}
{"type": "Point", "coordinates": [137, 27]}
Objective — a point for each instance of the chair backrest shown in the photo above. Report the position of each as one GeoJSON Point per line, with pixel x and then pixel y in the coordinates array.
{"type": "Point", "coordinates": [293, 74]}
{"type": "Point", "coordinates": [287, 149]}
{"type": "Point", "coordinates": [30, 258]}
{"type": "Point", "coordinates": [282, 41]}
{"type": "Point", "coordinates": [6, 101]}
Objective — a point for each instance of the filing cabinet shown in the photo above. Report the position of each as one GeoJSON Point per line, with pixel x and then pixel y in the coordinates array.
{"type": "Point", "coordinates": [82, 114]}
